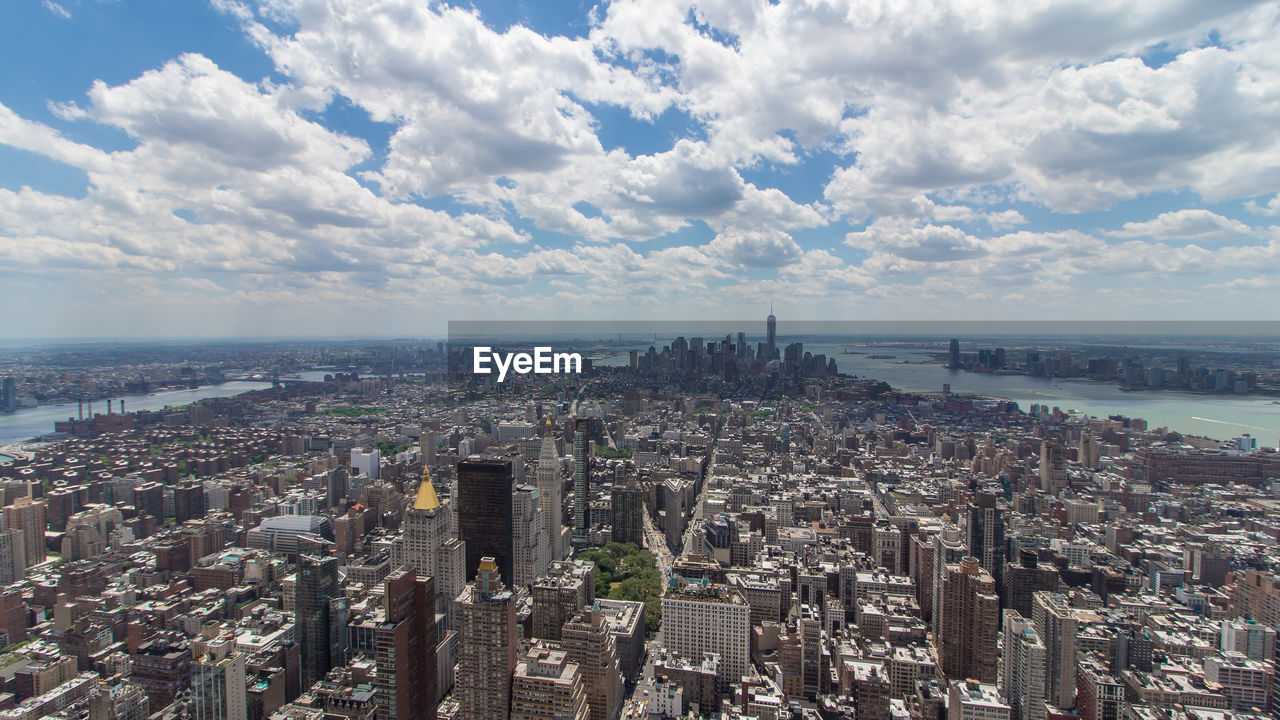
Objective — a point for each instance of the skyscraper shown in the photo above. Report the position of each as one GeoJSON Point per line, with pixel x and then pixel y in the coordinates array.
{"type": "Point", "coordinates": [530, 551]}
{"type": "Point", "coordinates": [427, 542]}
{"type": "Point", "coordinates": [587, 640]}
{"type": "Point", "coordinates": [581, 482]}
{"type": "Point", "coordinates": [1022, 676]}
{"type": "Point", "coordinates": [218, 689]}
{"type": "Point", "coordinates": [1055, 623]}
{"type": "Point", "coordinates": [1053, 466]}
{"type": "Point", "coordinates": [28, 516]}
{"type": "Point", "coordinates": [405, 648]}
{"type": "Point", "coordinates": [970, 622]}
{"type": "Point", "coordinates": [771, 334]}
{"type": "Point", "coordinates": [486, 646]}
{"type": "Point", "coordinates": [485, 488]}
{"type": "Point", "coordinates": [1024, 578]}
{"type": "Point", "coordinates": [9, 395]}
{"type": "Point", "coordinates": [315, 585]}
{"type": "Point", "coordinates": [984, 534]}
{"type": "Point", "coordinates": [627, 511]}
{"type": "Point", "coordinates": [551, 496]}
{"type": "Point", "coordinates": [953, 354]}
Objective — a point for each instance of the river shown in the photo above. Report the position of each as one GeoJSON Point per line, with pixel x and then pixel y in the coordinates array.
{"type": "Point", "coordinates": [1215, 416]}
{"type": "Point", "coordinates": [28, 423]}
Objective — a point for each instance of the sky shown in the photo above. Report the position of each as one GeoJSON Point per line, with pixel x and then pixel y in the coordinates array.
{"type": "Point", "coordinates": [380, 167]}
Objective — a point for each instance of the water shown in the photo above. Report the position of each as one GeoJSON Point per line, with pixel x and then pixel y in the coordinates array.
{"type": "Point", "coordinates": [28, 423]}
{"type": "Point", "coordinates": [1215, 416]}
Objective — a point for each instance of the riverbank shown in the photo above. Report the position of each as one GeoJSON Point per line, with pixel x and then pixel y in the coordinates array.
{"type": "Point", "coordinates": [26, 424]}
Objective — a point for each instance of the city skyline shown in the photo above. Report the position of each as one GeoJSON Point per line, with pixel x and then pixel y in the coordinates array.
{"type": "Point", "coordinates": [313, 168]}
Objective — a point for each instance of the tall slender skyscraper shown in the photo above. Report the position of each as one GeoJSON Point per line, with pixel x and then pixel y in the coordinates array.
{"type": "Point", "coordinates": [1055, 623]}
{"type": "Point", "coordinates": [581, 483]}
{"type": "Point", "coordinates": [771, 333]}
{"type": "Point", "coordinates": [485, 513]}
{"type": "Point", "coordinates": [551, 496]}
{"type": "Point", "coordinates": [531, 555]}
{"type": "Point", "coordinates": [316, 584]}
{"type": "Point", "coordinates": [1022, 668]}
{"type": "Point", "coordinates": [487, 646]}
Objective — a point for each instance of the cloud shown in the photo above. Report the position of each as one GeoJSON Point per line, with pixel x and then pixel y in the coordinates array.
{"type": "Point", "coordinates": [56, 9]}
{"type": "Point", "coordinates": [926, 244]}
{"type": "Point", "coordinates": [1271, 208]}
{"type": "Point", "coordinates": [1200, 226]}
{"type": "Point", "coordinates": [957, 140]}
{"type": "Point", "coordinates": [755, 249]}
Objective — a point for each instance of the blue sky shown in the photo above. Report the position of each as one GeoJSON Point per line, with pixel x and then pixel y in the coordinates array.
{"type": "Point", "coordinates": [349, 167]}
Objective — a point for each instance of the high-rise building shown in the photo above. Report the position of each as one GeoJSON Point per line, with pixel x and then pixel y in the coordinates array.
{"type": "Point", "coordinates": [9, 395]}
{"type": "Point", "coordinates": [970, 622]}
{"type": "Point", "coordinates": [485, 513]}
{"type": "Point", "coordinates": [1053, 466]}
{"type": "Point", "coordinates": [530, 550]}
{"type": "Point", "coordinates": [405, 648]}
{"type": "Point", "coordinates": [486, 646]}
{"type": "Point", "coordinates": [1089, 451]}
{"type": "Point", "coordinates": [13, 556]}
{"type": "Point", "coordinates": [428, 539]}
{"type": "Point", "coordinates": [588, 642]}
{"type": "Point", "coordinates": [627, 511]}
{"type": "Point", "coordinates": [1026, 577]}
{"type": "Point", "coordinates": [947, 550]}
{"type": "Point", "coordinates": [983, 529]}
{"type": "Point", "coordinates": [581, 482]}
{"type": "Point", "coordinates": [563, 590]}
{"type": "Point", "coordinates": [547, 686]}
{"type": "Point", "coordinates": [953, 354]}
{"type": "Point", "coordinates": [1055, 623]}
{"type": "Point", "coordinates": [218, 690]}
{"type": "Point", "coordinates": [28, 516]}
{"type": "Point", "coordinates": [1257, 597]}
{"type": "Point", "coordinates": [188, 502]}
{"type": "Point", "coordinates": [551, 496]}
{"type": "Point", "coordinates": [771, 334]}
{"type": "Point", "coordinates": [698, 619]}
{"type": "Point", "coordinates": [1022, 668]}
{"type": "Point", "coordinates": [315, 586]}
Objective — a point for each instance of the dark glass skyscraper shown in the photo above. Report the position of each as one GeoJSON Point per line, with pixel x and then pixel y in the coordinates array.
{"type": "Point", "coordinates": [485, 513]}
{"type": "Point", "coordinates": [771, 333]}
{"type": "Point", "coordinates": [315, 586]}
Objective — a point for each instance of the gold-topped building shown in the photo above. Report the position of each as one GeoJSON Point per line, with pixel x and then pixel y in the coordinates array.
{"type": "Point", "coordinates": [430, 545]}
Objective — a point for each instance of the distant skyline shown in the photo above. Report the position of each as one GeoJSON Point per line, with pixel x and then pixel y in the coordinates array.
{"type": "Point", "coordinates": [376, 168]}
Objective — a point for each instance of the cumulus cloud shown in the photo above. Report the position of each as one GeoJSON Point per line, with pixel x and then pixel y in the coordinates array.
{"type": "Point", "coordinates": [755, 248]}
{"type": "Point", "coordinates": [1199, 226]}
{"type": "Point", "coordinates": [959, 140]}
